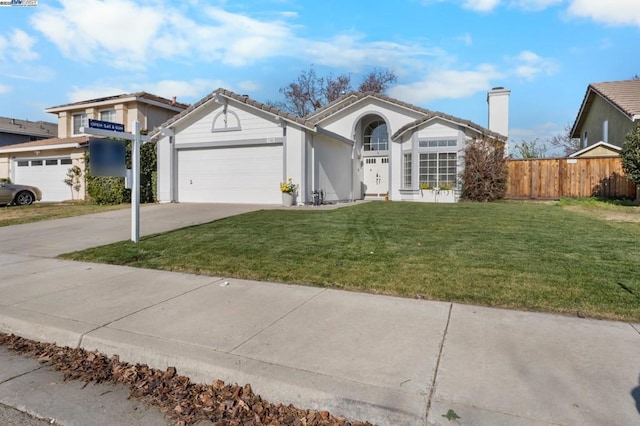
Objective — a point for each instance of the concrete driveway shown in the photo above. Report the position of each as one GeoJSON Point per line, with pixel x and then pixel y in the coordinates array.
{"type": "Point", "coordinates": [53, 237]}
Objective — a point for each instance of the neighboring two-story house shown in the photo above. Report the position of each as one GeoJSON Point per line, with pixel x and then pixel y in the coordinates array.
{"type": "Point", "coordinates": [608, 113]}
{"type": "Point", "coordinates": [44, 163]}
{"type": "Point", "coordinates": [13, 131]}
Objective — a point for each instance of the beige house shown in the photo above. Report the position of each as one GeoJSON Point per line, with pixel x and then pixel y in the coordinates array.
{"type": "Point", "coordinates": [609, 111]}
{"type": "Point", "coordinates": [45, 163]}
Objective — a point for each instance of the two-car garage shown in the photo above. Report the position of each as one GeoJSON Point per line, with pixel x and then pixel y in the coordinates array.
{"type": "Point", "coordinates": [243, 174]}
{"type": "Point", "coordinates": [46, 173]}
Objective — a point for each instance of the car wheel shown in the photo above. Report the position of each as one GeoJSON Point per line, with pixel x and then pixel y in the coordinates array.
{"type": "Point", "coordinates": [24, 198]}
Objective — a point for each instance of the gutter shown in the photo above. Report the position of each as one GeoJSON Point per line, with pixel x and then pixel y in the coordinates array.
{"type": "Point", "coordinates": [40, 148]}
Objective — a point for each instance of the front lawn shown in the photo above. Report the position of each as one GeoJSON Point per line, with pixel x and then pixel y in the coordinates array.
{"type": "Point", "coordinates": [527, 256]}
{"type": "Point", "coordinates": [15, 215]}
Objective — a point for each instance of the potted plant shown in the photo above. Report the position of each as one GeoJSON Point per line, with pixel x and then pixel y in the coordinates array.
{"type": "Point", "coordinates": [288, 189]}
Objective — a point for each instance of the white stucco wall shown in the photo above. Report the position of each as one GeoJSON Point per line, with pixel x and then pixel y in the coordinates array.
{"type": "Point", "coordinates": [332, 169]}
{"type": "Point", "coordinates": [344, 121]}
{"type": "Point", "coordinates": [164, 149]}
{"type": "Point", "coordinates": [294, 159]}
{"type": "Point", "coordinates": [254, 125]}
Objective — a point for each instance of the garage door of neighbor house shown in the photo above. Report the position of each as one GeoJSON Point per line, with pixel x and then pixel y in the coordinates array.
{"type": "Point", "coordinates": [48, 174]}
{"type": "Point", "coordinates": [249, 174]}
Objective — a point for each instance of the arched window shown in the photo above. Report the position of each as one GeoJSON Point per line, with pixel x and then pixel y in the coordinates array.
{"type": "Point", "coordinates": [376, 136]}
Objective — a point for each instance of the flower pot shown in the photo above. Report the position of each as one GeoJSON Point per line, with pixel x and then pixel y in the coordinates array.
{"type": "Point", "coordinates": [288, 199]}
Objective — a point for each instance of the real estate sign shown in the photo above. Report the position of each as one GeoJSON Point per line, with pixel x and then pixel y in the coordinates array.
{"type": "Point", "coordinates": [107, 157]}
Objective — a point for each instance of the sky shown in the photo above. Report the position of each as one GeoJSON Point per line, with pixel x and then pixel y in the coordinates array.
{"type": "Point", "coordinates": [446, 53]}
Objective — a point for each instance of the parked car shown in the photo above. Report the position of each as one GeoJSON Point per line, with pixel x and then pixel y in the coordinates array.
{"type": "Point", "coordinates": [21, 195]}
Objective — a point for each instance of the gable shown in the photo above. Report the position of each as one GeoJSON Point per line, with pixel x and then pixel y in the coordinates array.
{"type": "Point", "coordinates": [343, 122]}
{"type": "Point", "coordinates": [216, 122]}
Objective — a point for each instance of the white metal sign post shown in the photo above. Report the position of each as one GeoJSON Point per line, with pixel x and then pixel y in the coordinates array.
{"type": "Point", "coordinates": [100, 128]}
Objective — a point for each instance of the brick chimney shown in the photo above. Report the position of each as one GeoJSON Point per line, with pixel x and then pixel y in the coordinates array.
{"type": "Point", "coordinates": [498, 100]}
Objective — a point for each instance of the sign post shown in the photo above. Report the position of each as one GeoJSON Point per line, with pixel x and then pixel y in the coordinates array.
{"type": "Point", "coordinates": [115, 130]}
{"type": "Point", "coordinates": [135, 186]}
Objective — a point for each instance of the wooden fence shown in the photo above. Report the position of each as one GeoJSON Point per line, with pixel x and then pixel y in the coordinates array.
{"type": "Point", "coordinates": [553, 178]}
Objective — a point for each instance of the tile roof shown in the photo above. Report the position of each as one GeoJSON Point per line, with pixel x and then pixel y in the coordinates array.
{"type": "Point", "coordinates": [354, 97]}
{"type": "Point", "coordinates": [48, 142]}
{"type": "Point", "coordinates": [339, 104]}
{"type": "Point", "coordinates": [139, 95]}
{"type": "Point", "coordinates": [624, 94]}
{"type": "Point", "coordinates": [26, 127]}
{"type": "Point", "coordinates": [240, 98]}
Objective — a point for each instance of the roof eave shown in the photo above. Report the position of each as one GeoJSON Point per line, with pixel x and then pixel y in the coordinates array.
{"type": "Point", "coordinates": [41, 148]}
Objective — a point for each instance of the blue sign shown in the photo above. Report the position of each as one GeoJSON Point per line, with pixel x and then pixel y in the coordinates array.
{"type": "Point", "coordinates": [106, 125]}
{"type": "Point", "coordinates": [107, 157]}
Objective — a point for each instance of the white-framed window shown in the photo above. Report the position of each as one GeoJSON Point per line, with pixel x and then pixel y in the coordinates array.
{"type": "Point", "coordinates": [376, 136]}
{"type": "Point", "coordinates": [585, 139]}
{"type": "Point", "coordinates": [79, 120]}
{"type": "Point", "coordinates": [108, 115]}
{"type": "Point", "coordinates": [439, 169]}
{"type": "Point", "coordinates": [605, 131]}
{"type": "Point", "coordinates": [371, 160]}
{"type": "Point", "coordinates": [406, 171]}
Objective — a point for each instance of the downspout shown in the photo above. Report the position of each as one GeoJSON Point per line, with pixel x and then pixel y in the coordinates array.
{"type": "Point", "coordinates": [303, 167]}
{"type": "Point", "coordinates": [353, 156]}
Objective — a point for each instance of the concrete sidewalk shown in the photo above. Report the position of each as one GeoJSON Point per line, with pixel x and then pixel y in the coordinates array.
{"type": "Point", "coordinates": [388, 360]}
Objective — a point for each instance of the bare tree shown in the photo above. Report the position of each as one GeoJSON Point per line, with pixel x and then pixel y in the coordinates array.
{"type": "Point", "coordinates": [336, 87]}
{"type": "Point", "coordinates": [304, 95]}
{"type": "Point", "coordinates": [310, 92]}
{"type": "Point", "coordinates": [565, 141]}
{"type": "Point", "coordinates": [377, 81]}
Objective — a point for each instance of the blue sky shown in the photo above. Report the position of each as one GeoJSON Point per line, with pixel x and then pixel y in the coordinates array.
{"type": "Point", "coordinates": [446, 53]}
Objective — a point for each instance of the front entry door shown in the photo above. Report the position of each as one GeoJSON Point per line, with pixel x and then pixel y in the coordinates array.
{"type": "Point", "coordinates": [376, 176]}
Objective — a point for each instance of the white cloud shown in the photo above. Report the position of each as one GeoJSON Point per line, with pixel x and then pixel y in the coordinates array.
{"type": "Point", "coordinates": [193, 90]}
{"type": "Point", "coordinates": [481, 5]}
{"type": "Point", "coordinates": [78, 94]}
{"type": "Point", "coordinates": [529, 65]}
{"type": "Point", "coordinates": [447, 84]}
{"type": "Point", "coordinates": [618, 12]}
{"type": "Point", "coordinates": [4, 88]}
{"type": "Point", "coordinates": [350, 52]}
{"type": "Point", "coordinates": [128, 34]}
{"type": "Point", "coordinates": [185, 91]}
{"type": "Point", "coordinates": [18, 46]}
{"type": "Point", "coordinates": [535, 5]}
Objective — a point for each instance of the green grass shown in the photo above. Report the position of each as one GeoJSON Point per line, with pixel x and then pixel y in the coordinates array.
{"type": "Point", "coordinates": [15, 215]}
{"type": "Point", "coordinates": [515, 255]}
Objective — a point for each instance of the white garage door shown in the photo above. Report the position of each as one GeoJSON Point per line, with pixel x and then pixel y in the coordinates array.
{"type": "Point", "coordinates": [48, 174]}
{"type": "Point", "coordinates": [249, 174]}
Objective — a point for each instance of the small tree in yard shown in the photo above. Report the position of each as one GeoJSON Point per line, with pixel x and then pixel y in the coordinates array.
{"type": "Point", "coordinates": [631, 155]}
{"type": "Point", "coordinates": [73, 180]}
{"type": "Point", "coordinates": [485, 172]}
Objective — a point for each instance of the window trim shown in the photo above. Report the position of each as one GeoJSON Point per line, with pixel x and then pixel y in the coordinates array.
{"type": "Point", "coordinates": [368, 133]}
{"type": "Point", "coordinates": [109, 110]}
{"type": "Point", "coordinates": [84, 122]}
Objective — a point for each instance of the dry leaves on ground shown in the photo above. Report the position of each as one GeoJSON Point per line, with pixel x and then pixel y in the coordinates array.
{"type": "Point", "coordinates": [175, 395]}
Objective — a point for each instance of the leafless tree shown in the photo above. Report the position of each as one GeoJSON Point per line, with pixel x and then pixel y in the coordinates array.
{"type": "Point", "coordinates": [565, 141]}
{"type": "Point", "coordinates": [304, 95]}
{"type": "Point", "coordinates": [378, 81]}
{"type": "Point", "coordinates": [310, 92]}
{"type": "Point", "coordinates": [336, 87]}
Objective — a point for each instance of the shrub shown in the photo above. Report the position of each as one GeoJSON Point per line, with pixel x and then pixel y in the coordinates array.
{"type": "Point", "coordinates": [485, 172]}
{"type": "Point", "coordinates": [631, 155]}
{"type": "Point", "coordinates": [111, 190]}
{"type": "Point", "coordinates": [5, 180]}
